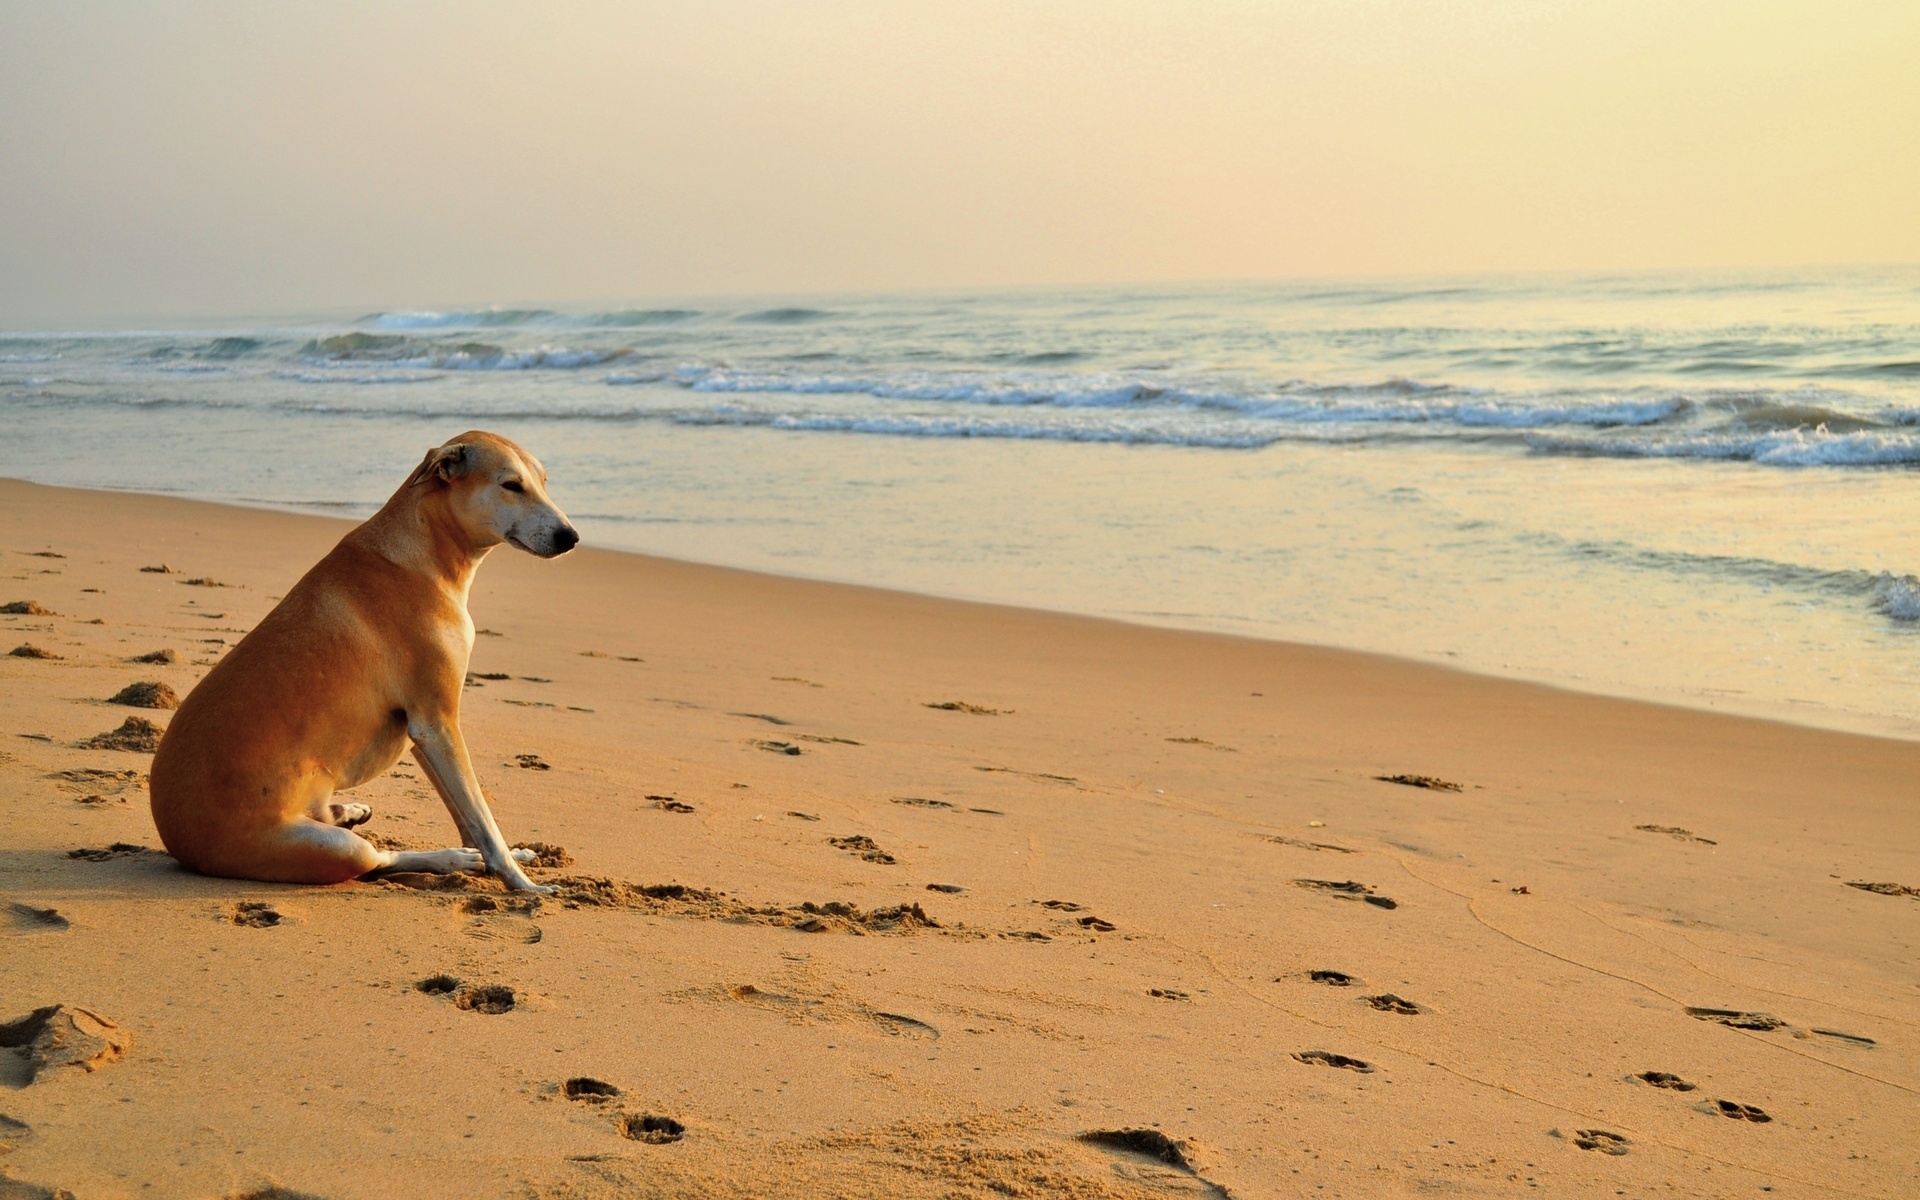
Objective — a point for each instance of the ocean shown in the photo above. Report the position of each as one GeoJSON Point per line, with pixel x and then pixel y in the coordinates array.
{"type": "Point", "coordinates": [1692, 488]}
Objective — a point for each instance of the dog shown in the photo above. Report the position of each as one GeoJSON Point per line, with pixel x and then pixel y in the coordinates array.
{"type": "Point", "coordinates": [364, 656]}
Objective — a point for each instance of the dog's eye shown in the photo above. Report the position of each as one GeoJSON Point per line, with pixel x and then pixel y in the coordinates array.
{"type": "Point", "coordinates": [513, 485]}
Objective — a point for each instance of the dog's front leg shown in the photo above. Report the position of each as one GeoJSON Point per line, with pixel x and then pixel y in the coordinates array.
{"type": "Point", "coordinates": [442, 752]}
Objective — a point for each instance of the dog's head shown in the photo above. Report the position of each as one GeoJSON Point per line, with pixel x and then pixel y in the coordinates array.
{"type": "Point", "coordinates": [498, 493]}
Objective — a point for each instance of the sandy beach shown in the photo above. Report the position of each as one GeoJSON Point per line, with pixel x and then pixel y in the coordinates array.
{"type": "Point", "coordinates": [869, 894]}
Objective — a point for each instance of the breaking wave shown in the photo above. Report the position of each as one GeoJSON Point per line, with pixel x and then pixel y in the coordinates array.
{"type": "Point", "coordinates": [404, 351]}
{"type": "Point", "coordinates": [491, 318]}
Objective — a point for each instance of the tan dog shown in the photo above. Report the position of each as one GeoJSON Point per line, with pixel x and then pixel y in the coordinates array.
{"type": "Point", "coordinates": [367, 653]}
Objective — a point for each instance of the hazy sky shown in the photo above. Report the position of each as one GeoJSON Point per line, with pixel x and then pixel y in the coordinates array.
{"type": "Point", "coordinates": [185, 157]}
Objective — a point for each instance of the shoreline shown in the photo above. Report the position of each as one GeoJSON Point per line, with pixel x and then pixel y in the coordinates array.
{"type": "Point", "coordinates": [1786, 712]}
{"type": "Point", "coordinates": [876, 894]}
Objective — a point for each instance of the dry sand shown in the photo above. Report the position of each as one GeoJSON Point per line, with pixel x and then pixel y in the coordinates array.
{"type": "Point", "coordinates": [1127, 940]}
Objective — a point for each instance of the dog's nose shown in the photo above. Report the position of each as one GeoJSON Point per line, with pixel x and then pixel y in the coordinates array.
{"type": "Point", "coordinates": [565, 538]}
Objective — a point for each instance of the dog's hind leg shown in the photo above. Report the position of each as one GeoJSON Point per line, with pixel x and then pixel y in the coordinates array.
{"type": "Point", "coordinates": [309, 851]}
{"type": "Point", "coordinates": [452, 861]}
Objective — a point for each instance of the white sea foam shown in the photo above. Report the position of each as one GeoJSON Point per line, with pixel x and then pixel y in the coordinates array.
{"type": "Point", "coordinates": [472, 319]}
{"type": "Point", "coordinates": [1784, 448]}
{"type": "Point", "coordinates": [357, 377]}
{"type": "Point", "coordinates": [1898, 596]}
{"type": "Point", "coordinates": [494, 318]}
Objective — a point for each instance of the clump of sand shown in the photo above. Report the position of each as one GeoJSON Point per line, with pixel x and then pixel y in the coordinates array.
{"type": "Point", "coordinates": [147, 694]}
{"type": "Point", "coordinates": [135, 733]}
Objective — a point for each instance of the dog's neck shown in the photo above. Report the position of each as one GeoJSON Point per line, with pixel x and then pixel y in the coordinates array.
{"type": "Point", "coordinates": [420, 533]}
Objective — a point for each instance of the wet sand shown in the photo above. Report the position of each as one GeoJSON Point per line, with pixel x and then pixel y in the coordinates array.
{"type": "Point", "coordinates": [872, 894]}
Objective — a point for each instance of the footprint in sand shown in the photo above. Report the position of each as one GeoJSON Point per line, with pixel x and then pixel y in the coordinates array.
{"type": "Point", "coordinates": [1735, 1019]}
{"type": "Point", "coordinates": [502, 918]}
{"type": "Point", "coordinates": [1325, 1058]}
{"type": "Point", "coordinates": [1331, 978]}
{"type": "Point", "coordinates": [865, 847]}
{"type": "Point", "coordinates": [1664, 1079]}
{"type": "Point", "coordinates": [116, 850]}
{"type": "Point", "coordinates": [747, 993]}
{"type": "Point", "coordinates": [491, 998]}
{"type": "Point", "coordinates": [58, 1035]}
{"type": "Point", "coordinates": [1884, 889]}
{"type": "Point", "coordinates": [651, 1129]}
{"type": "Point", "coordinates": [1677, 834]}
{"type": "Point", "coordinates": [1168, 994]}
{"type": "Point", "coordinates": [99, 784]}
{"type": "Point", "coordinates": [899, 1025]}
{"type": "Point", "coordinates": [588, 1090]}
{"type": "Point", "coordinates": [1431, 783]}
{"type": "Point", "coordinates": [962, 706]}
{"type": "Point", "coordinates": [1347, 889]}
{"type": "Point", "coordinates": [1150, 1142]}
{"type": "Point", "coordinates": [1096, 924]}
{"type": "Point", "coordinates": [670, 804]}
{"type": "Point", "coordinates": [1740, 1112]}
{"type": "Point", "coordinates": [778, 747]}
{"type": "Point", "coordinates": [921, 802]}
{"type": "Point", "coordinates": [24, 918]}
{"type": "Point", "coordinates": [531, 762]}
{"type": "Point", "coordinates": [1388, 1002]}
{"type": "Point", "coordinates": [951, 889]}
{"type": "Point", "coordinates": [486, 997]}
{"type": "Point", "coordinates": [1605, 1141]}
{"type": "Point", "coordinates": [1298, 844]}
{"type": "Point", "coordinates": [254, 914]}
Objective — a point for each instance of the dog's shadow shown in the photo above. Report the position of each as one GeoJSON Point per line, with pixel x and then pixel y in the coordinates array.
{"type": "Point", "coordinates": [124, 871]}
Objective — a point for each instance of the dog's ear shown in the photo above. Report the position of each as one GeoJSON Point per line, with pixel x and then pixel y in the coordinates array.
{"type": "Point", "coordinates": [445, 463]}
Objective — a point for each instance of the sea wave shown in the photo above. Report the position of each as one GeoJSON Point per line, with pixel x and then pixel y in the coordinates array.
{"type": "Point", "coordinates": [400, 351]}
{"type": "Point", "coordinates": [1161, 433]}
{"type": "Point", "coordinates": [1895, 596]}
{"type": "Point", "coordinates": [785, 316]}
{"type": "Point", "coordinates": [360, 378]}
{"type": "Point", "coordinates": [1391, 400]}
{"type": "Point", "coordinates": [472, 319]}
{"type": "Point", "coordinates": [490, 318]}
{"type": "Point", "coordinates": [1784, 448]}
{"type": "Point", "coordinates": [1898, 596]}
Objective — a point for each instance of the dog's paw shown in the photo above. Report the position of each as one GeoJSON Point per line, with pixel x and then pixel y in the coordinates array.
{"type": "Point", "coordinates": [346, 816]}
{"type": "Point", "coordinates": [455, 861]}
